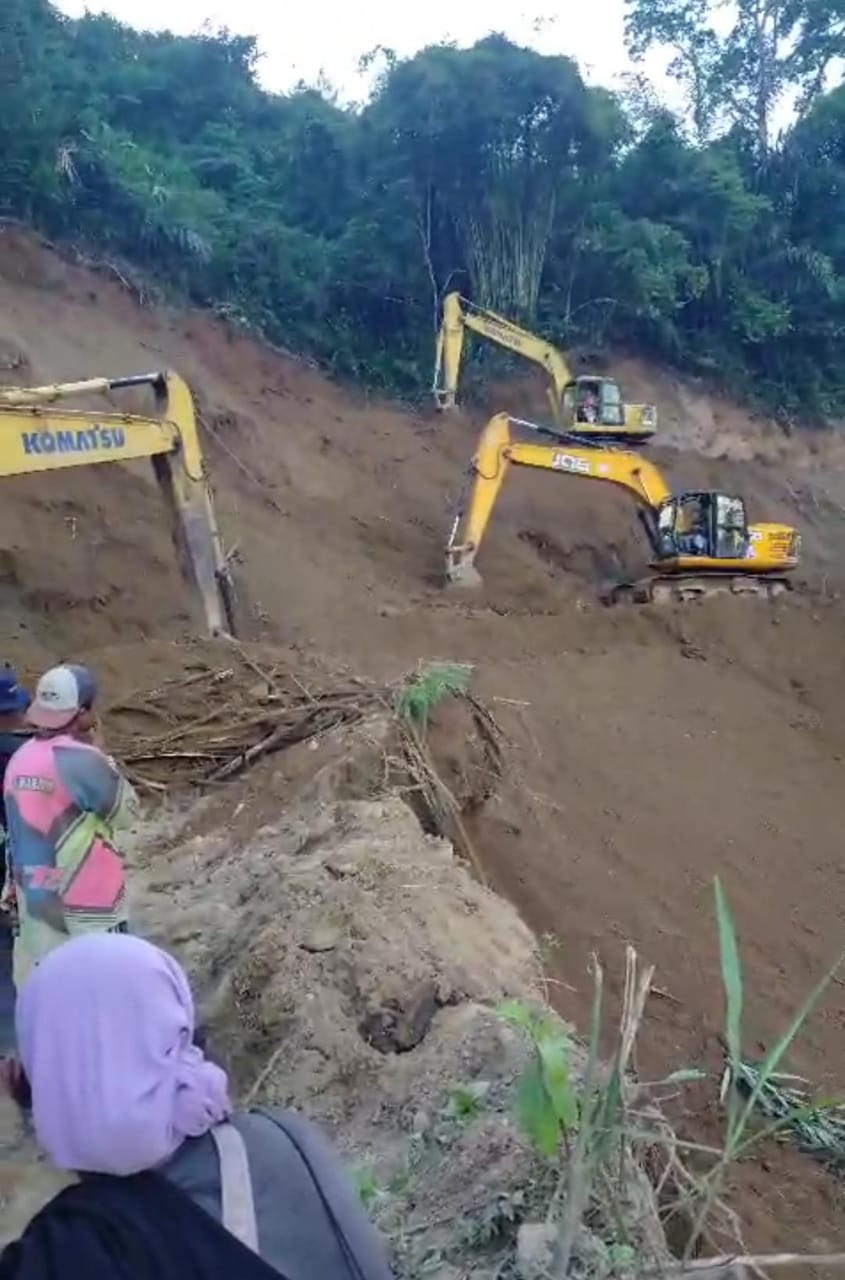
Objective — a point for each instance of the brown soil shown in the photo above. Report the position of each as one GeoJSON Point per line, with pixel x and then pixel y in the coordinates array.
{"type": "Point", "coordinates": [648, 749]}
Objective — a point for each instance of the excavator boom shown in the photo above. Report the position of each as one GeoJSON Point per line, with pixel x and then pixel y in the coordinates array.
{"type": "Point", "coordinates": [38, 434]}
{"type": "Point", "coordinates": [723, 546]}
{"type": "Point", "coordinates": [460, 315]}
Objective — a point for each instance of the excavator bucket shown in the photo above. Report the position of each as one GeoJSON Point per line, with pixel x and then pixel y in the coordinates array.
{"type": "Point", "coordinates": [460, 569]}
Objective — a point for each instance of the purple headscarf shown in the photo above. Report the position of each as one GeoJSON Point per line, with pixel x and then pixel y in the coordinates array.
{"type": "Point", "coordinates": [105, 1026]}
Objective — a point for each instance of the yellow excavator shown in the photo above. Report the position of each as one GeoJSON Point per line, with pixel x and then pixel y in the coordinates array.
{"type": "Point", "coordinates": [701, 541]}
{"type": "Point", "coordinates": [589, 406]}
{"type": "Point", "coordinates": [37, 436]}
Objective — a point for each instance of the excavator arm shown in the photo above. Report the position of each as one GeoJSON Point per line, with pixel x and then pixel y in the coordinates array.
{"type": "Point", "coordinates": [498, 450]}
{"type": "Point", "coordinates": [38, 434]}
{"type": "Point", "coordinates": [460, 315]}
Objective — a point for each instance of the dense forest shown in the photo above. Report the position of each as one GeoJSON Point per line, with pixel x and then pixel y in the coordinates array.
{"type": "Point", "coordinates": [712, 240]}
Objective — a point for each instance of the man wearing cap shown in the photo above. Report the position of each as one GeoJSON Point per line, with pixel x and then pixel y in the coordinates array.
{"type": "Point", "coordinates": [65, 798]}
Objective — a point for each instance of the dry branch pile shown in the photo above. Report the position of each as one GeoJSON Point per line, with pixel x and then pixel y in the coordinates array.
{"type": "Point", "coordinates": [215, 723]}
{"type": "Point", "coordinates": [216, 719]}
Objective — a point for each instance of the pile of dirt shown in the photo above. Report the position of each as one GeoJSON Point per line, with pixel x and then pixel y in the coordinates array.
{"type": "Point", "coordinates": [348, 965]}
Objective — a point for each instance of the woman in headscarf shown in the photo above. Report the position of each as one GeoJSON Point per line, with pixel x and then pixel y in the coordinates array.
{"type": "Point", "coordinates": [173, 1184]}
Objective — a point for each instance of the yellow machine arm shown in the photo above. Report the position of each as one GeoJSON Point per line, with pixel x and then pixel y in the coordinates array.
{"type": "Point", "coordinates": [730, 546]}
{"type": "Point", "coordinates": [497, 450]}
{"type": "Point", "coordinates": [460, 315]}
{"type": "Point", "coordinates": [35, 436]}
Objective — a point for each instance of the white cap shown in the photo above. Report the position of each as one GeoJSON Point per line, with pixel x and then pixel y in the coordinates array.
{"type": "Point", "coordinates": [60, 695]}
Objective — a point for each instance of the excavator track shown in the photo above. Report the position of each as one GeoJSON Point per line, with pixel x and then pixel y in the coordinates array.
{"type": "Point", "coordinates": [680, 589]}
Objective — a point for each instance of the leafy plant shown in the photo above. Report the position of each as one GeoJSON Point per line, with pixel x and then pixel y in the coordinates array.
{"type": "Point", "coordinates": [497, 1219]}
{"type": "Point", "coordinates": [416, 700]}
{"type": "Point", "coordinates": [546, 1103]}
{"type": "Point", "coordinates": [467, 1101]}
{"type": "Point", "coordinates": [368, 1185]}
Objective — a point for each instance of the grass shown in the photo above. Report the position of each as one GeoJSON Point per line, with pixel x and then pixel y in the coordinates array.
{"type": "Point", "coordinates": [416, 699]}
{"type": "Point", "coordinates": [745, 1105]}
{"type": "Point", "coordinates": [600, 1125]}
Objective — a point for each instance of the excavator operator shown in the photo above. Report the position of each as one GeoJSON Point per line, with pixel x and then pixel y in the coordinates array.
{"type": "Point", "coordinates": [588, 407]}
{"type": "Point", "coordinates": [692, 529]}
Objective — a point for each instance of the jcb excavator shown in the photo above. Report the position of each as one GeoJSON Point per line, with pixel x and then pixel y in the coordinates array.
{"type": "Point", "coordinates": [588, 406]}
{"type": "Point", "coordinates": [701, 541]}
{"type": "Point", "coordinates": [35, 436]}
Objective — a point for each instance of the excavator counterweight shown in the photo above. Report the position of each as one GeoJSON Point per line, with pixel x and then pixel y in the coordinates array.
{"type": "Point", "coordinates": [701, 541]}
{"type": "Point", "coordinates": [37, 433]}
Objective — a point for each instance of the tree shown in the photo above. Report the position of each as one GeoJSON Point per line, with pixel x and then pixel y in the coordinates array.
{"type": "Point", "coordinates": [485, 138]}
{"type": "Point", "coordinates": [334, 231]}
{"type": "Point", "coordinates": [773, 47]}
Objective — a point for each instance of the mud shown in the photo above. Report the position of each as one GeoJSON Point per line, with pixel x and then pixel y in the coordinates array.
{"type": "Point", "coordinates": [648, 749]}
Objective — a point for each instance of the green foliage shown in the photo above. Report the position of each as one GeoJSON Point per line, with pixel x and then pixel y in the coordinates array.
{"type": "Point", "coordinates": [742, 74]}
{"type": "Point", "coordinates": [417, 699]}
{"type": "Point", "coordinates": [818, 1125]}
{"type": "Point", "coordinates": [546, 1103]}
{"type": "Point", "coordinates": [493, 169]}
{"type": "Point", "coordinates": [751, 1091]}
{"type": "Point", "coordinates": [593, 1124]}
{"type": "Point", "coordinates": [497, 1220]}
{"type": "Point", "coordinates": [739, 1118]}
{"type": "Point", "coordinates": [368, 1186]}
{"type": "Point", "coordinates": [466, 1101]}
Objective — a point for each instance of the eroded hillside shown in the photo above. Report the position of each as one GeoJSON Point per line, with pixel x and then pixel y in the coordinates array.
{"type": "Point", "coordinates": [647, 749]}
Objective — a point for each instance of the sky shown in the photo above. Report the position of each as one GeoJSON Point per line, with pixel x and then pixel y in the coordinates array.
{"type": "Point", "coordinates": [326, 38]}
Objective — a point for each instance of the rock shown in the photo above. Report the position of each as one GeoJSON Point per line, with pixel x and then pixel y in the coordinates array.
{"type": "Point", "coordinates": [421, 1124]}
{"type": "Point", "coordinates": [324, 937]}
{"type": "Point", "coordinates": [534, 1246]}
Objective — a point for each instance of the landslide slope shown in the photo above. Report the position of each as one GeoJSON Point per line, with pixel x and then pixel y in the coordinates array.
{"type": "Point", "coordinates": [648, 750]}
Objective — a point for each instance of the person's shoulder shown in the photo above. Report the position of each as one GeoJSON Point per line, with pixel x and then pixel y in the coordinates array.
{"type": "Point", "coordinates": [287, 1134]}
{"type": "Point", "coordinates": [21, 747]}
{"type": "Point", "coordinates": [276, 1130]}
{"type": "Point", "coordinates": [66, 744]}
{"type": "Point", "coordinates": [281, 1120]}
{"type": "Point", "coordinates": [13, 740]}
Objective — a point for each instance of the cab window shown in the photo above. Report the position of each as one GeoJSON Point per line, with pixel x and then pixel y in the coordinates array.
{"type": "Point", "coordinates": [613, 410]}
{"type": "Point", "coordinates": [731, 528]}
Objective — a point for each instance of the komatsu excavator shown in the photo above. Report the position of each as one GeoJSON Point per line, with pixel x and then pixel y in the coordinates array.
{"type": "Point", "coordinates": [589, 406]}
{"type": "Point", "coordinates": [37, 436]}
{"type": "Point", "coordinates": [701, 541]}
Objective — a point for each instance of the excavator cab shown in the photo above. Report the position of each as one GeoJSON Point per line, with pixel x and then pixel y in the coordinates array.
{"type": "Point", "coordinates": [592, 402]}
{"type": "Point", "coordinates": [707, 524]}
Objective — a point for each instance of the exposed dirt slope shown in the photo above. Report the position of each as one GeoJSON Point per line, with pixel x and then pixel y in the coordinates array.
{"type": "Point", "coordinates": [650, 749]}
